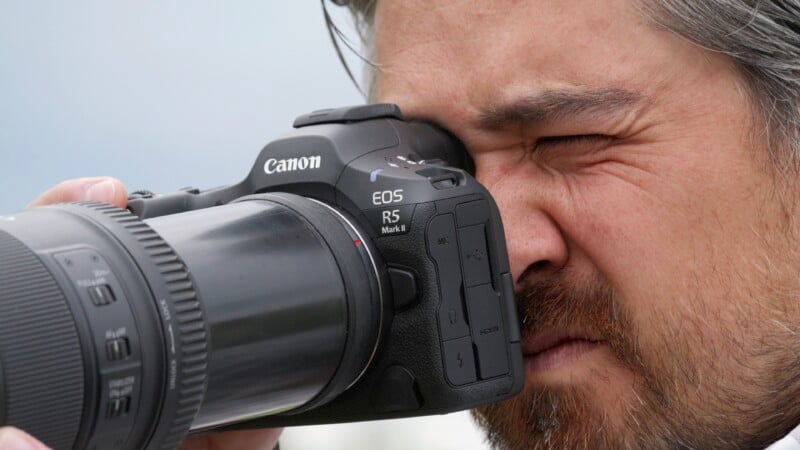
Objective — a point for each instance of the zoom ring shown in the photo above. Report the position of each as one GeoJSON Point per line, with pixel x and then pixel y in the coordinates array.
{"type": "Point", "coordinates": [191, 341]}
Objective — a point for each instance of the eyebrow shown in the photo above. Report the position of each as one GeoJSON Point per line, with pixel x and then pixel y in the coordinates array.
{"type": "Point", "coordinates": [554, 105]}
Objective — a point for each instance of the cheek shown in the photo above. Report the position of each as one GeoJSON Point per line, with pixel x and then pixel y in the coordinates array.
{"type": "Point", "coordinates": [686, 249]}
{"type": "Point", "coordinates": [642, 244]}
{"type": "Point", "coordinates": [656, 235]}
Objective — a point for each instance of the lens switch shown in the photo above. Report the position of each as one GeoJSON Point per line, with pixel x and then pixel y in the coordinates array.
{"type": "Point", "coordinates": [102, 295]}
{"type": "Point", "coordinates": [117, 349]}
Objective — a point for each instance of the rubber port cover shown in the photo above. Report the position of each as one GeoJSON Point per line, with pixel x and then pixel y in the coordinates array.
{"type": "Point", "coordinates": [404, 287]}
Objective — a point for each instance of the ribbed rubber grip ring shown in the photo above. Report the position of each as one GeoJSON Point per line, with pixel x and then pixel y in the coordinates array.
{"type": "Point", "coordinates": [192, 335]}
{"type": "Point", "coordinates": [40, 354]}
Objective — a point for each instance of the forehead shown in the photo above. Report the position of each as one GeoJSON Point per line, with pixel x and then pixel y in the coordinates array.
{"type": "Point", "coordinates": [472, 52]}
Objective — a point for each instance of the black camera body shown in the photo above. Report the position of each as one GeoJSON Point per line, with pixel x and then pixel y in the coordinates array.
{"type": "Point", "coordinates": [453, 342]}
{"type": "Point", "coordinates": [359, 272]}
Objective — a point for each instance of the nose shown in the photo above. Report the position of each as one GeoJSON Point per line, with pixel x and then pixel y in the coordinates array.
{"type": "Point", "coordinates": [536, 245]}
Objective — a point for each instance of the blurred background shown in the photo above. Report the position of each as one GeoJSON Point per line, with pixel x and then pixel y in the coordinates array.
{"type": "Point", "coordinates": [165, 95]}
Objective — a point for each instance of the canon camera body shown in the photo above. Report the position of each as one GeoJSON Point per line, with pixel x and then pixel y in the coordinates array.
{"type": "Point", "coordinates": [359, 272]}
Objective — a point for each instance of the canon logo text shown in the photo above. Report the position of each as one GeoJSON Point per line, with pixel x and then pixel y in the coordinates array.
{"type": "Point", "coordinates": [273, 165]}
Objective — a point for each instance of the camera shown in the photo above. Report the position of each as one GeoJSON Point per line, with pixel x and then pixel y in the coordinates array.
{"type": "Point", "coordinates": [359, 272]}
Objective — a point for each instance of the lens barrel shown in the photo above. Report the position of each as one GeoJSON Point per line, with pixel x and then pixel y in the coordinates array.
{"type": "Point", "coordinates": [292, 301]}
{"type": "Point", "coordinates": [122, 333]}
{"type": "Point", "coordinates": [129, 342]}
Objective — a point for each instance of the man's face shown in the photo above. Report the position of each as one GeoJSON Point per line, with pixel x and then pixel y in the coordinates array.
{"type": "Point", "coordinates": [651, 247]}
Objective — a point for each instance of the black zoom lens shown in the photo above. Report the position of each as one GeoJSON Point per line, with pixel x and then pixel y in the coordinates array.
{"type": "Point", "coordinates": [122, 333]}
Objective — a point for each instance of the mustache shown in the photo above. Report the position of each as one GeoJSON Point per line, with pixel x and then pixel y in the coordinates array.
{"type": "Point", "coordinates": [586, 302]}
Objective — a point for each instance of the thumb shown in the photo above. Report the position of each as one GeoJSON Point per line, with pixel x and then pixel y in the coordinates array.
{"type": "Point", "coordinates": [100, 189]}
{"type": "Point", "coordinates": [15, 439]}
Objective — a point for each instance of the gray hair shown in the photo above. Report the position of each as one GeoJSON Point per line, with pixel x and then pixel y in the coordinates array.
{"type": "Point", "coordinates": [762, 37]}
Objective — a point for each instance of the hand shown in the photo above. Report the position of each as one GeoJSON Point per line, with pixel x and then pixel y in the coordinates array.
{"type": "Point", "coordinates": [112, 191]}
{"type": "Point", "coordinates": [15, 439]}
{"type": "Point", "coordinates": [101, 189]}
{"type": "Point", "coordinates": [263, 439]}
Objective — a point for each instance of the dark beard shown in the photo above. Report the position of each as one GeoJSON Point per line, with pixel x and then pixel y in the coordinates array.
{"type": "Point", "coordinates": [561, 418]}
{"type": "Point", "coordinates": [666, 411]}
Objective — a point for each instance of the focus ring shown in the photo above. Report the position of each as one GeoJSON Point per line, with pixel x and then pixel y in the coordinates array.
{"type": "Point", "coordinates": [191, 340]}
{"type": "Point", "coordinates": [40, 349]}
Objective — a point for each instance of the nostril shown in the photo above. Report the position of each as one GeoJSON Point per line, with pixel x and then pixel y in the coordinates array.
{"type": "Point", "coordinates": [536, 271]}
{"type": "Point", "coordinates": [538, 266]}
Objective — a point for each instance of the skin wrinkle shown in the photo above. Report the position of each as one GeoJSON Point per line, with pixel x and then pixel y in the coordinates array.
{"type": "Point", "coordinates": [766, 54]}
{"type": "Point", "coordinates": [570, 192]}
{"type": "Point", "coordinates": [555, 105]}
{"type": "Point", "coordinates": [767, 61]}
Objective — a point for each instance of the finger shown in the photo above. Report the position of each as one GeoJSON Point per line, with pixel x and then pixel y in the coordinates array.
{"type": "Point", "coordinates": [15, 439]}
{"type": "Point", "coordinates": [261, 439]}
{"type": "Point", "coordinates": [100, 189]}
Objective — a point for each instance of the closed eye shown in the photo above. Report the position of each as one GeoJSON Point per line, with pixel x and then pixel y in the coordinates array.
{"type": "Point", "coordinates": [581, 140]}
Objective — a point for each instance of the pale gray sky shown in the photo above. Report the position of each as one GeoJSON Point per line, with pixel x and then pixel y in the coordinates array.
{"type": "Point", "coordinates": [160, 94]}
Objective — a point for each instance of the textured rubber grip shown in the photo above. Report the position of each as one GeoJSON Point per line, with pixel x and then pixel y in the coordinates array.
{"type": "Point", "coordinates": [192, 336]}
{"type": "Point", "coordinates": [42, 364]}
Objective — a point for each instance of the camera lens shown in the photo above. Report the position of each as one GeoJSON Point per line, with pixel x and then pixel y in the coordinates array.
{"type": "Point", "coordinates": [122, 333]}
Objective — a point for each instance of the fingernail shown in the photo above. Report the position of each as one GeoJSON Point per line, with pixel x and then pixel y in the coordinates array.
{"type": "Point", "coordinates": [101, 192]}
{"type": "Point", "coordinates": [12, 438]}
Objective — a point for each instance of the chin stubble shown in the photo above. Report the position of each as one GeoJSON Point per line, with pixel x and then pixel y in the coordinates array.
{"type": "Point", "coordinates": [680, 397]}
